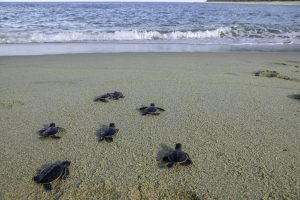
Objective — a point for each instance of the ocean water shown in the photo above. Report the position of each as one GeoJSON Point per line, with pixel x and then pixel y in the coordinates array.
{"type": "Point", "coordinates": [113, 27]}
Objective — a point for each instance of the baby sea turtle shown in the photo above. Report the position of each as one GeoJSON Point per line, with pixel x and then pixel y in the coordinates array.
{"type": "Point", "coordinates": [177, 156]}
{"type": "Point", "coordinates": [152, 109]}
{"type": "Point", "coordinates": [51, 131]}
{"type": "Point", "coordinates": [111, 95]}
{"type": "Point", "coordinates": [107, 133]}
{"type": "Point", "coordinates": [51, 173]}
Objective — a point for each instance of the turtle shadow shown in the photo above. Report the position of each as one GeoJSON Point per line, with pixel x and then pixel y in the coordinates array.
{"type": "Point", "coordinates": [142, 112]}
{"type": "Point", "coordinates": [294, 96]}
{"type": "Point", "coordinates": [164, 151]}
{"type": "Point", "coordinates": [103, 128]}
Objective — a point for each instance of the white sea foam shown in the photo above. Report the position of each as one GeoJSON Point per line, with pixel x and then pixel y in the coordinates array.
{"type": "Point", "coordinates": [111, 36]}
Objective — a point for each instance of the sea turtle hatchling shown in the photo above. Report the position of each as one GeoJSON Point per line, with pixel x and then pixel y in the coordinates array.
{"type": "Point", "coordinates": [177, 156]}
{"type": "Point", "coordinates": [152, 109]}
{"type": "Point", "coordinates": [111, 95]}
{"type": "Point", "coordinates": [51, 131]}
{"type": "Point", "coordinates": [107, 133]}
{"type": "Point", "coordinates": [51, 173]}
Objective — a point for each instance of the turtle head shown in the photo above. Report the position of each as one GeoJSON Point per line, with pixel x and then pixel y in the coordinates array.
{"type": "Point", "coordinates": [178, 147]}
{"type": "Point", "coordinates": [52, 124]}
{"type": "Point", "coordinates": [112, 125]}
{"type": "Point", "coordinates": [152, 104]}
{"type": "Point", "coordinates": [65, 163]}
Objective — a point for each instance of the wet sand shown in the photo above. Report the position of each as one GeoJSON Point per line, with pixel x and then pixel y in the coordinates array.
{"type": "Point", "coordinates": [240, 130]}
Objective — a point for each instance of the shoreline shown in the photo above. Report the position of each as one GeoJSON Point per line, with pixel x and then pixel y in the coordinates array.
{"type": "Point", "coordinates": [132, 47]}
{"type": "Point", "coordinates": [240, 130]}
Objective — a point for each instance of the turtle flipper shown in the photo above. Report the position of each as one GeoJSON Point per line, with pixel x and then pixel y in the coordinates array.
{"type": "Point", "coordinates": [145, 113]}
{"type": "Point", "coordinates": [65, 173]}
{"type": "Point", "coordinates": [100, 139]}
{"type": "Point", "coordinates": [55, 137]}
{"type": "Point", "coordinates": [143, 108]}
{"type": "Point", "coordinates": [170, 164]}
{"type": "Point", "coordinates": [109, 139]}
{"type": "Point", "coordinates": [160, 109]}
{"type": "Point", "coordinates": [165, 159]}
{"type": "Point", "coordinates": [47, 186]}
{"type": "Point", "coordinates": [188, 161]}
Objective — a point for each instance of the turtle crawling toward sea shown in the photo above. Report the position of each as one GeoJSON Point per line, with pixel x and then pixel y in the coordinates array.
{"type": "Point", "coordinates": [152, 109]}
{"type": "Point", "coordinates": [107, 133]}
{"type": "Point", "coordinates": [52, 172]}
{"type": "Point", "coordinates": [111, 95]}
{"type": "Point", "coordinates": [177, 156]}
{"type": "Point", "coordinates": [50, 131]}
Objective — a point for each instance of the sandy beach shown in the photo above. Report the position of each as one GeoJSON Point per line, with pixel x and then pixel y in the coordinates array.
{"type": "Point", "coordinates": [241, 131]}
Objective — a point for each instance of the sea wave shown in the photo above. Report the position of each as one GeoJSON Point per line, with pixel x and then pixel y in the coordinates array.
{"type": "Point", "coordinates": [92, 36]}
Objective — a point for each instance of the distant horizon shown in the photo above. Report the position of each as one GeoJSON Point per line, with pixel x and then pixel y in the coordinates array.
{"type": "Point", "coordinates": [148, 1]}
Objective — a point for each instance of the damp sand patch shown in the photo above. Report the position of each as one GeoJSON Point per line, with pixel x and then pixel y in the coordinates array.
{"type": "Point", "coordinates": [10, 104]}
{"type": "Point", "coordinates": [230, 73]}
{"type": "Point", "coordinates": [272, 74]}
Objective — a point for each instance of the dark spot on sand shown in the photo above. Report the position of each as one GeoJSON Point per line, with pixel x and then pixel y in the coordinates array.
{"type": "Point", "coordinates": [271, 74]}
{"type": "Point", "coordinates": [279, 63]}
{"type": "Point", "coordinates": [294, 96]}
{"type": "Point", "coordinates": [284, 149]}
{"type": "Point", "coordinates": [230, 73]}
{"type": "Point", "coordinates": [266, 73]}
{"type": "Point", "coordinates": [296, 66]}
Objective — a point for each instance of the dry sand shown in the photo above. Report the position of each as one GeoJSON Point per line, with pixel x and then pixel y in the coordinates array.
{"type": "Point", "coordinates": [241, 131]}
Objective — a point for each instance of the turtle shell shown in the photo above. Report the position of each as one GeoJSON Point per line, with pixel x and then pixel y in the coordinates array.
{"type": "Point", "coordinates": [178, 156]}
{"type": "Point", "coordinates": [50, 131]}
{"type": "Point", "coordinates": [151, 109]}
{"type": "Point", "coordinates": [117, 94]}
{"type": "Point", "coordinates": [51, 173]}
{"type": "Point", "coordinates": [110, 131]}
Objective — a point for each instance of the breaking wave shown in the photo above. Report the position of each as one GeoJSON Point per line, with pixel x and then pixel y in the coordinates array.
{"type": "Point", "coordinates": [111, 36]}
{"type": "Point", "coordinates": [232, 34]}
